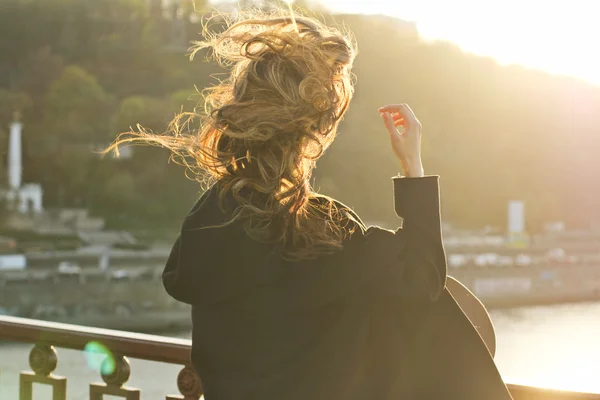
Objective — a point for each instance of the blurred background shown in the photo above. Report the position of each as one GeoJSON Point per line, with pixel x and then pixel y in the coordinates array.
{"type": "Point", "coordinates": [508, 94]}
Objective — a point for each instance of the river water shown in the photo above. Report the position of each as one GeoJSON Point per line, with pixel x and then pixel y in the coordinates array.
{"type": "Point", "coordinates": [554, 346]}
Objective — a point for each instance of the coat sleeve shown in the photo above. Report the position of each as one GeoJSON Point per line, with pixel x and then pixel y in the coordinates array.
{"type": "Point", "coordinates": [410, 261]}
{"type": "Point", "coordinates": [377, 263]}
{"type": "Point", "coordinates": [417, 201]}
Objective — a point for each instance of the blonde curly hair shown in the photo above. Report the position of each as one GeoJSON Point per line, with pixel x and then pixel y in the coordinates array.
{"type": "Point", "coordinates": [264, 127]}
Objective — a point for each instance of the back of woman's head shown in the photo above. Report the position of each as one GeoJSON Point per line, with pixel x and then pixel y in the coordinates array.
{"type": "Point", "coordinates": [264, 127]}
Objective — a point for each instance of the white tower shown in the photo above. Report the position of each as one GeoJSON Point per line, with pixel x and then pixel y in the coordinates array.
{"type": "Point", "coordinates": [27, 197]}
{"type": "Point", "coordinates": [517, 234]}
{"type": "Point", "coordinates": [516, 217]}
{"type": "Point", "coordinates": [15, 165]}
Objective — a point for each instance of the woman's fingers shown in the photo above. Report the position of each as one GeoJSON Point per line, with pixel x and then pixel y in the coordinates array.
{"type": "Point", "coordinates": [398, 120]}
{"type": "Point", "coordinates": [388, 120]}
{"type": "Point", "coordinates": [406, 141]}
{"type": "Point", "coordinates": [403, 110]}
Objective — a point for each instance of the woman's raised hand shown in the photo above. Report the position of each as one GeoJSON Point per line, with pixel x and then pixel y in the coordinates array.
{"type": "Point", "coordinates": [406, 143]}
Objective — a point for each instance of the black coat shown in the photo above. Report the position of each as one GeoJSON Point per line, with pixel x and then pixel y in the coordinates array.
{"type": "Point", "coordinates": [372, 321]}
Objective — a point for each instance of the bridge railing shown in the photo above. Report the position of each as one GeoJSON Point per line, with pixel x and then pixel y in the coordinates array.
{"type": "Point", "coordinates": [116, 347]}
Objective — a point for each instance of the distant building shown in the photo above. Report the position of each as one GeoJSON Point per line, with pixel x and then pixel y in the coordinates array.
{"type": "Point", "coordinates": [517, 235]}
{"type": "Point", "coordinates": [23, 198]}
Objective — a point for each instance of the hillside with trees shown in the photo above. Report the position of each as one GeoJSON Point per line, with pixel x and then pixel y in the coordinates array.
{"type": "Point", "coordinates": [82, 71]}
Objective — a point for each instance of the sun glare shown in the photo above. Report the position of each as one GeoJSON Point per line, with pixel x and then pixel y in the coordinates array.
{"type": "Point", "coordinates": [558, 38]}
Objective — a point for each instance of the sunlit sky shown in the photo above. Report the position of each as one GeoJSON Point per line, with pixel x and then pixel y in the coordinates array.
{"type": "Point", "coordinates": [561, 37]}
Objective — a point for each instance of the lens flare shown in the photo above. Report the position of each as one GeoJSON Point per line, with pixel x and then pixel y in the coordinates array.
{"type": "Point", "coordinates": [99, 358]}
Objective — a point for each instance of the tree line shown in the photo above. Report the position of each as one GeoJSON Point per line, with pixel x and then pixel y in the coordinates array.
{"type": "Point", "coordinates": [80, 72]}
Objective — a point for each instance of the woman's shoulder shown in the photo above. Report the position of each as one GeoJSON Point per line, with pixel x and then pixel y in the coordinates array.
{"type": "Point", "coordinates": [205, 211]}
{"type": "Point", "coordinates": [340, 211]}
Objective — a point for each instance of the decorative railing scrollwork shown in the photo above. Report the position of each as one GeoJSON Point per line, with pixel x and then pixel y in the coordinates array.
{"type": "Point", "coordinates": [43, 361]}
{"type": "Point", "coordinates": [115, 369]}
{"type": "Point", "coordinates": [189, 385]}
{"type": "Point", "coordinates": [114, 381]}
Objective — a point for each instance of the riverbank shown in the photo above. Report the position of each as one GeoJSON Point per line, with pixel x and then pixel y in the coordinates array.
{"type": "Point", "coordinates": [508, 287]}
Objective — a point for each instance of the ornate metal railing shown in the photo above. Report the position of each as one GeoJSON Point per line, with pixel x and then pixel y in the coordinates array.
{"type": "Point", "coordinates": [115, 369]}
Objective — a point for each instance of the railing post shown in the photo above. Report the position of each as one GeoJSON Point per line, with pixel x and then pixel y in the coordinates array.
{"type": "Point", "coordinates": [114, 381]}
{"type": "Point", "coordinates": [43, 361]}
{"type": "Point", "coordinates": [189, 385]}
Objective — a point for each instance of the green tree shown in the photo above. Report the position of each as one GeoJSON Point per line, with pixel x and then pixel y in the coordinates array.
{"type": "Point", "coordinates": [152, 113]}
{"type": "Point", "coordinates": [76, 110]}
{"type": "Point", "coordinates": [119, 194]}
{"type": "Point", "coordinates": [11, 103]}
{"type": "Point", "coordinates": [149, 112]}
{"type": "Point", "coordinates": [3, 155]}
{"type": "Point", "coordinates": [184, 99]}
{"type": "Point", "coordinates": [37, 71]}
{"type": "Point", "coordinates": [71, 175]}
{"type": "Point", "coordinates": [76, 120]}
